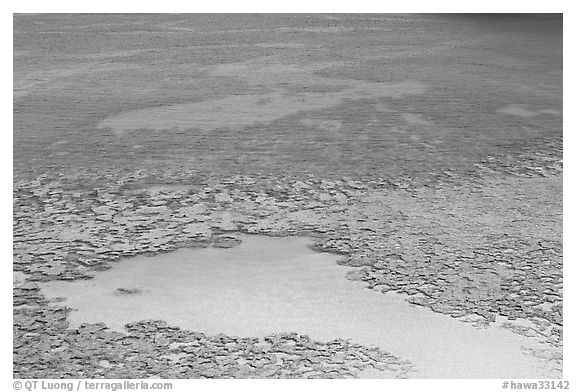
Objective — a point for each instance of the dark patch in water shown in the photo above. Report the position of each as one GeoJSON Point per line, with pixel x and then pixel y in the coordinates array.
{"type": "Point", "coordinates": [125, 291]}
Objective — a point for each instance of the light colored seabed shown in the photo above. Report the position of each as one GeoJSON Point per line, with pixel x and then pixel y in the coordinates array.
{"type": "Point", "coordinates": [268, 285]}
{"type": "Point", "coordinates": [18, 277]}
{"type": "Point", "coordinates": [244, 110]}
{"type": "Point", "coordinates": [238, 111]}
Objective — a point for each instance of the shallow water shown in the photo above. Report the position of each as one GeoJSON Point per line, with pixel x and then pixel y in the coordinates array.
{"type": "Point", "coordinates": [269, 285]}
{"type": "Point", "coordinates": [239, 111]}
{"type": "Point", "coordinates": [291, 89]}
{"type": "Point", "coordinates": [207, 91]}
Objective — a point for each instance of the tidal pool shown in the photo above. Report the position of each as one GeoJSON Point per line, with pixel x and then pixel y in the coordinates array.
{"type": "Point", "coordinates": [268, 285]}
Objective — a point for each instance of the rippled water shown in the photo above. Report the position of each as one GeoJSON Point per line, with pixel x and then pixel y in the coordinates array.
{"type": "Point", "coordinates": [253, 93]}
{"type": "Point", "coordinates": [241, 110]}
{"type": "Point", "coordinates": [269, 285]}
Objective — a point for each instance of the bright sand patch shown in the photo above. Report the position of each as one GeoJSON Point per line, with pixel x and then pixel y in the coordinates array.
{"type": "Point", "coordinates": [238, 111]}
{"type": "Point", "coordinates": [268, 285]}
{"type": "Point", "coordinates": [519, 111]}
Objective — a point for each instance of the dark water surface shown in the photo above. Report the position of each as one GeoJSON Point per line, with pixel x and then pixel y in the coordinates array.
{"type": "Point", "coordinates": [326, 94]}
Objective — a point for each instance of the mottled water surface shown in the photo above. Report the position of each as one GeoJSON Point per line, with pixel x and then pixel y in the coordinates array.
{"type": "Point", "coordinates": [329, 94]}
{"type": "Point", "coordinates": [423, 152]}
{"type": "Point", "coordinates": [273, 285]}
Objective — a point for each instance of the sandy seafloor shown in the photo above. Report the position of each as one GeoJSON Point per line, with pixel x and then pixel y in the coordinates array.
{"type": "Point", "coordinates": [424, 150]}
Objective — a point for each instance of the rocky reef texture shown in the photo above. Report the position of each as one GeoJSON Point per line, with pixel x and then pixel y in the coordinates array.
{"type": "Point", "coordinates": [45, 348]}
{"type": "Point", "coordinates": [474, 246]}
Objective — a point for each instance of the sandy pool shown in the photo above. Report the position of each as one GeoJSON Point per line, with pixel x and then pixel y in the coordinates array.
{"type": "Point", "coordinates": [268, 285]}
